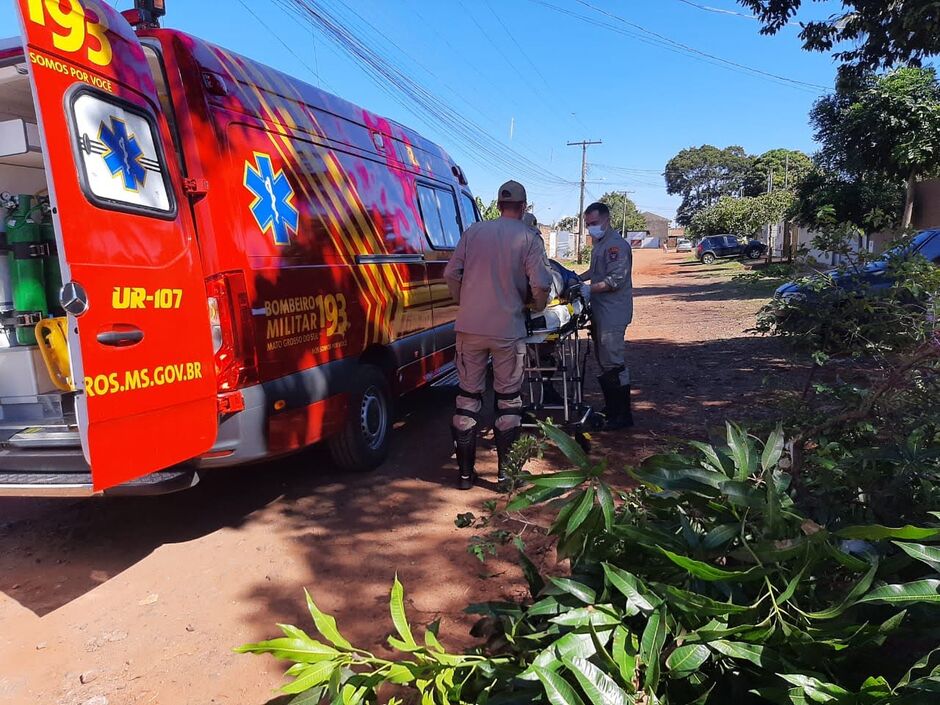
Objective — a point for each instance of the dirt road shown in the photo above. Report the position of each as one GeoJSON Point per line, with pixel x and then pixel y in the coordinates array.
{"type": "Point", "coordinates": [144, 598]}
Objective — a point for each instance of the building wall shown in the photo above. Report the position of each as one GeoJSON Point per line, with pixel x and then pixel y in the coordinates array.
{"type": "Point", "coordinates": [559, 244]}
{"type": "Point", "coordinates": [675, 234]}
{"type": "Point", "coordinates": [874, 243]}
{"type": "Point", "coordinates": [657, 226]}
{"type": "Point", "coordinates": [927, 204]}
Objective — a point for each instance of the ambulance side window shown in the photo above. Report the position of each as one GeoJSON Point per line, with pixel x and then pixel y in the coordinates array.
{"type": "Point", "coordinates": [439, 212]}
{"type": "Point", "coordinates": [120, 158]}
{"type": "Point", "coordinates": [449, 217]}
{"type": "Point", "coordinates": [468, 210]}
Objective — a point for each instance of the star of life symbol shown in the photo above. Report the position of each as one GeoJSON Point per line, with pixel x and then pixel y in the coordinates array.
{"type": "Point", "coordinates": [124, 154]}
{"type": "Point", "coordinates": [272, 207]}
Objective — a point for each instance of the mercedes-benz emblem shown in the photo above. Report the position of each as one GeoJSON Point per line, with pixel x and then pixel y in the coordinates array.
{"type": "Point", "coordinates": [74, 299]}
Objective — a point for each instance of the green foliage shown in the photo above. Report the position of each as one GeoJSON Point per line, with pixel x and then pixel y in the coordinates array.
{"type": "Point", "coordinates": [487, 212]}
{"type": "Point", "coordinates": [702, 175]}
{"type": "Point", "coordinates": [870, 34]}
{"type": "Point", "coordinates": [634, 219]}
{"type": "Point", "coordinates": [887, 124]}
{"type": "Point", "coordinates": [866, 202]}
{"type": "Point", "coordinates": [568, 223]}
{"type": "Point", "coordinates": [741, 216]}
{"type": "Point", "coordinates": [705, 175]}
{"type": "Point", "coordinates": [787, 167]}
{"type": "Point", "coordinates": [838, 313]}
{"type": "Point", "coordinates": [707, 584]}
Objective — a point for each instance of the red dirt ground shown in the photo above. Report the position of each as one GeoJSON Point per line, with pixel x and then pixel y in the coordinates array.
{"type": "Point", "coordinates": [146, 597]}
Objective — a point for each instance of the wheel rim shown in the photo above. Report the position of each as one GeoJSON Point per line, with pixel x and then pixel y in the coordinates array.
{"type": "Point", "coordinates": [708, 259]}
{"type": "Point", "coordinates": [373, 418]}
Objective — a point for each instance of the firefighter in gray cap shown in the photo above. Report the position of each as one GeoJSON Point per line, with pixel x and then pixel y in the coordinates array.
{"type": "Point", "coordinates": [611, 296]}
{"type": "Point", "coordinates": [497, 266]}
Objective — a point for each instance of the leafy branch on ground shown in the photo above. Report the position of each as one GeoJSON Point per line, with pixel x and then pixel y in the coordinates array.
{"type": "Point", "coordinates": [706, 584]}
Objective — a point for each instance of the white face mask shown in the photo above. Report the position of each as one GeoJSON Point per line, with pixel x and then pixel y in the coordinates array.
{"type": "Point", "coordinates": [596, 231]}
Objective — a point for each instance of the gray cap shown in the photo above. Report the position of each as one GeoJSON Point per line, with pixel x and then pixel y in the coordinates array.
{"type": "Point", "coordinates": [511, 192]}
{"type": "Point", "coordinates": [530, 220]}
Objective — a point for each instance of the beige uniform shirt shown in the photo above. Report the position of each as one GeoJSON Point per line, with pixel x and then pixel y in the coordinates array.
{"type": "Point", "coordinates": [490, 275]}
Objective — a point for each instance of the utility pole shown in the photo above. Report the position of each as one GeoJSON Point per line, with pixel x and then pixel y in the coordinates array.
{"type": "Point", "coordinates": [623, 221]}
{"type": "Point", "coordinates": [584, 145]}
{"type": "Point", "coordinates": [770, 226]}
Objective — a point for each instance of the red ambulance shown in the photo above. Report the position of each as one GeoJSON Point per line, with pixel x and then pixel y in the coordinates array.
{"type": "Point", "coordinates": [243, 264]}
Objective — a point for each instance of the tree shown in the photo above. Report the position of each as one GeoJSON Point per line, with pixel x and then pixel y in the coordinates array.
{"type": "Point", "coordinates": [887, 125]}
{"type": "Point", "coordinates": [619, 205]}
{"type": "Point", "coordinates": [787, 166]}
{"type": "Point", "coordinates": [490, 212]}
{"type": "Point", "coordinates": [702, 175]}
{"type": "Point", "coordinates": [879, 34]}
{"type": "Point", "coordinates": [742, 216]}
{"type": "Point", "coordinates": [568, 223]}
{"type": "Point", "coordinates": [867, 202]}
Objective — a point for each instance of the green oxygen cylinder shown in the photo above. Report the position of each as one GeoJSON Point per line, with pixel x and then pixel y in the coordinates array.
{"type": "Point", "coordinates": [53, 270]}
{"type": "Point", "coordinates": [26, 268]}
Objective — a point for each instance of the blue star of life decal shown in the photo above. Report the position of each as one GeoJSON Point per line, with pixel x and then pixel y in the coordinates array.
{"type": "Point", "coordinates": [123, 155]}
{"type": "Point", "coordinates": [272, 207]}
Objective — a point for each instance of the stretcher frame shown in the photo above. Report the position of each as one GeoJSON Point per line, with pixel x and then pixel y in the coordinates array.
{"type": "Point", "coordinates": [570, 349]}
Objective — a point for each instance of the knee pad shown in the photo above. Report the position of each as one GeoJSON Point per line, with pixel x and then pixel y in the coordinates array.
{"type": "Point", "coordinates": [467, 413]}
{"type": "Point", "coordinates": [508, 411]}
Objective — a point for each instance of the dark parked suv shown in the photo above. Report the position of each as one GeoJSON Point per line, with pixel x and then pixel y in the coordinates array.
{"type": "Point", "coordinates": [723, 246]}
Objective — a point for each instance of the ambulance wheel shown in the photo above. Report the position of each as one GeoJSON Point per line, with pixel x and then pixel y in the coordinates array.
{"type": "Point", "coordinates": [363, 443]}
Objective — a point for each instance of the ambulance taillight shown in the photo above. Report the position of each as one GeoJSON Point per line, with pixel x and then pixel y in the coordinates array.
{"type": "Point", "coordinates": [230, 320]}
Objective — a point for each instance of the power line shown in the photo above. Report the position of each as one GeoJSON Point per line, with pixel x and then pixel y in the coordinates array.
{"type": "Point", "coordinates": [507, 99]}
{"type": "Point", "coordinates": [277, 36]}
{"type": "Point", "coordinates": [642, 34]}
{"type": "Point", "coordinates": [698, 51]}
{"type": "Point", "coordinates": [547, 101]}
{"type": "Point", "coordinates": [721, 11]}
{"type": "Point", "coordinates": [420, 101]}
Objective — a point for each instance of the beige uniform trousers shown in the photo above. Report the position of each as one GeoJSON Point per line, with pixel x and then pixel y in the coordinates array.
{"type": "Point", "coordinates": [473, 355]}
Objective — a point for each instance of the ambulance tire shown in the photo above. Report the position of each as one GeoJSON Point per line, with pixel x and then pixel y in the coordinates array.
{"type": "Point", "coordinates": [363, 443]}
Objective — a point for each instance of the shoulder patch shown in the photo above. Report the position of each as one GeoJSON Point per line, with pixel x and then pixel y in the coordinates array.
{"type": "Point", "coordinates": [613, 254]}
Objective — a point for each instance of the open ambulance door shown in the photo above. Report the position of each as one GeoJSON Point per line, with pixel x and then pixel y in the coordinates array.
{"type": "Point", "coordinates": [139, 334]}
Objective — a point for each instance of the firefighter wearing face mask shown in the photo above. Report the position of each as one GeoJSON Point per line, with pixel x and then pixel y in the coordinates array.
{"type": "Point", "coordinates": [611, 294]}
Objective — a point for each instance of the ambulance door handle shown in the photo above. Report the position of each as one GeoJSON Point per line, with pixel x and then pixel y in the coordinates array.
{"type": "Point", "coordinates": [121, 335]}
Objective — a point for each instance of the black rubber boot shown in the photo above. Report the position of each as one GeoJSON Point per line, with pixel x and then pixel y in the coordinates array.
{"type": "Point", "coordinates": [625, 419]}
{"type": "Point", "coordinates": [613, 400]}
{"type": "Point", "coordinates": [466, 445]}
{"type": "Point", "coordinates": [504, 443]}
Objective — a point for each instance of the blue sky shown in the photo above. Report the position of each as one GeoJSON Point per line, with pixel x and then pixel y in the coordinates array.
{"type": "Point", "coordinates": [522, 66]}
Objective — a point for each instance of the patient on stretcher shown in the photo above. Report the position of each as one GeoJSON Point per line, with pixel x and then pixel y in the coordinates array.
{"type": "Point", "coordinates": [564, 303]}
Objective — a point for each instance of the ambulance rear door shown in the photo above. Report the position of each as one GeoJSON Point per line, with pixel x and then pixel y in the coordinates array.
{"type": "Point", "coordinates": [140, 339]}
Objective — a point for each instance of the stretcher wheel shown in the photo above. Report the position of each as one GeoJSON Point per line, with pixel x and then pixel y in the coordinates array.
{"type": "Point", "coordinates": [362, 445]}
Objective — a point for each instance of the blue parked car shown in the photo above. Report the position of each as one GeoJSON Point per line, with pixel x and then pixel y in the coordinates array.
{"type": "Point", "coordinates": [874, 275]}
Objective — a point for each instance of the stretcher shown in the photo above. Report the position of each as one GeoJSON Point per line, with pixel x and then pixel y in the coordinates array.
{"type": "Point", "coordinates": [556, 357]}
